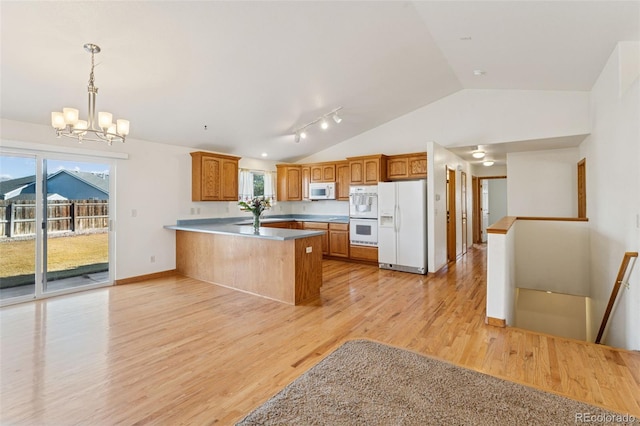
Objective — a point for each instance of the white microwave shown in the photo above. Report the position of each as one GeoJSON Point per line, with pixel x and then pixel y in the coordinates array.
{"type": "Point", "coordinates": [322, 191]}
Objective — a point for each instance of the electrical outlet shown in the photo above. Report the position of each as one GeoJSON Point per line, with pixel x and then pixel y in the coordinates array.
{"type": "Point", "coordinates": [134, 213]}
{"type": "Point", "coordinates": [309, 249]}
{"type": "Point", "coordinates": [153, 259]}
{"type": "Point", "coordinates": [198, 210]}
{"type": "Point", "coordinates": [193, 211]}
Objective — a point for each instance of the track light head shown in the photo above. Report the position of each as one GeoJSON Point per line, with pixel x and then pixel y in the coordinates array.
{"type": "Point", "coordinates": [303, 134]}
{"type": "Point", "coordinates": [336, 118]}
{"type": "Point", "coordinates": [324, 124]}
{"type": "Point", "coordinates": [297, 136]}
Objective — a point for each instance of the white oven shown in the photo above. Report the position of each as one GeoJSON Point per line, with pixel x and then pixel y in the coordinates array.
{"type": "Point", "coordinates": [363, 201]}
{"type": "Point", "coordinates": [363, 232]}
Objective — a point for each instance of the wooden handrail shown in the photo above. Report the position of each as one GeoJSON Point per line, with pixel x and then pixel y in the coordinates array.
{"type": "Point", "coordinates": [614, 292]}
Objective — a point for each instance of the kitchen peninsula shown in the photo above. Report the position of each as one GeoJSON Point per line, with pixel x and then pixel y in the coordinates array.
{"type": "Point", "coordinates": [279, 264]}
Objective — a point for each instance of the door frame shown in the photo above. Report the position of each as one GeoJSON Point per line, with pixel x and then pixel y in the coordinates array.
{"type": "Point", "coordinates": [463, 211]}
{"type": "Point", "coordinates": [451, 215]}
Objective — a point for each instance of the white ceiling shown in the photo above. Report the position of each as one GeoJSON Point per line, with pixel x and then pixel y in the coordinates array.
{"type": "Point", "coordinates": [253, 72]}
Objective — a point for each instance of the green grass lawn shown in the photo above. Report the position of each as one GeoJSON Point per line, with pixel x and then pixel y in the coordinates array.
{"type": "Point", "coordinates": [18, 257]}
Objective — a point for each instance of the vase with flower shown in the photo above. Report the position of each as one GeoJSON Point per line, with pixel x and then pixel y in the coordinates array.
{"type": "Point", "coordinates": [256, 206]}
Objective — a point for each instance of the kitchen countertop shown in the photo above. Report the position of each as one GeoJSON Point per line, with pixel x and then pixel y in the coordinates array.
{"type": "Point", "coordinates": [236, 226]}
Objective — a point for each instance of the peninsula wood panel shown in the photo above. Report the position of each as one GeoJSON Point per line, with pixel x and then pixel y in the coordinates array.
{"type": "Point", "coordinates": [176, 350]}
{"type": "Point", "coordinates": [278, 270]}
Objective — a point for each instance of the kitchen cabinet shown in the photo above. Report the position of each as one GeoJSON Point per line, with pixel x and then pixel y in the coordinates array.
{"type": "Point", "coordinates": [306, 178]}
{"type": "Point", "coordinates": [367, 170]}
{"type": "Point", "coordinates": [289, 224]}
{"type": "Point", "coordinates": [214, 177]}
{"type": "Point", "coordinates": [407, 166]}
{"type": "Point", "coordinates": [342, 181]}
{"type": "Point", "coordinates": [323, 172]}
{"type": "Point", "coordinates": [369, 254]}
{"type": "Point", "coordinates": [289, 178]}
{"type": "Point", "coordinates": [323, 226]}
{"type": "Point", "coordinates": [339, 239]}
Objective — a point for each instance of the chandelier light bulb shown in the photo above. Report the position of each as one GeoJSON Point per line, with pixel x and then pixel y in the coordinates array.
{"type": "Point", "coordinates": [70, 115]}
{"type": "Point", "coordinates": [122, 127]}
{"type": "Point", "coordinates": [105, 120]}
{"type": "Point", "coordinates": [57, 120]}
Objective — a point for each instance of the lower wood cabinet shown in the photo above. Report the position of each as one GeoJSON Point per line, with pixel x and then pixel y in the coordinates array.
{"type": "Point", "coordinates": [339, 239]}
{"type": "Point", "coordinates": [290, 224]}
{"type": "Point", "coordinates": [369, 254]}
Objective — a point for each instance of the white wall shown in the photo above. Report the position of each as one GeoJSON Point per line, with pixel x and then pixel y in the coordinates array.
{"type": "Point", "coordinates": [553, 256]}
{"type": "Point", "coordinates": [492, 171]}
{"type": "Point", "coordinates": [543, 183]}
{"type": "Point", "coordinates": [613, 190]}
{"type": "Point", "coordinates": [472, 117]}
{"type": "Point", "coordinates": [501, 284]}
{"type": "Point", "coordinates": [155, 181]}
{"type": "Point", "coordinates": [439, 160]}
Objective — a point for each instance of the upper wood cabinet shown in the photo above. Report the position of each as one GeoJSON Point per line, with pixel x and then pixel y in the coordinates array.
{"type": "Point", "coordinates": [306, 178]}
{"type": "Point", "coordinates": [214, 177]}
{"type": "Point", "coordinates": [342, 181]}
{"type": "Point", "coordinates": [289, 182]}
{"type": "Point", "coordinates": [367, 170]}
{"type": "Point", "coordinates": [323, 172]}
{"type": "Point", "coordinates": [407, 166]}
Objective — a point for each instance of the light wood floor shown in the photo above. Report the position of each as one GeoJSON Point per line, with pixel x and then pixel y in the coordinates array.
{"type": "Point", "coordinates": [179, 351]}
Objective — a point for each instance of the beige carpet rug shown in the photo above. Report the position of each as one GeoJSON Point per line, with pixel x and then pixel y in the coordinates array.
{"type": "Point", "coordinates": [367, 383]}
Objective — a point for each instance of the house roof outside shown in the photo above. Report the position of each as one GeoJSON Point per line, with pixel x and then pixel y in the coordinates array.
{"type": "Point", "coordinates": [22, 188]}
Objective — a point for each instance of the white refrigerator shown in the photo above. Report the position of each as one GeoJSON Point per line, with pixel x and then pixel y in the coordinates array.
{"type": "Point", "coordinates": [402, 226]}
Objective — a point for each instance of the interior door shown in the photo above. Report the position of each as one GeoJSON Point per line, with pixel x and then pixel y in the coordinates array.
{"type": "Point", "coordinates": [582, 188]}
{"type": "Point", "coordinates": [484, 207]}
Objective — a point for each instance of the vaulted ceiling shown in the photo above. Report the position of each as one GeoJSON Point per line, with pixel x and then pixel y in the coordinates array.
{"type": "Point", "coordinates": [254, 72]}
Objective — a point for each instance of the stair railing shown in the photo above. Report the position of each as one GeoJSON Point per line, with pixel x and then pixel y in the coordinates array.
{"type": "Point", "coordinates": [616, 288]}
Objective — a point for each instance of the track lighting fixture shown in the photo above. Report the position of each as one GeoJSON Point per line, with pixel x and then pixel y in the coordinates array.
{"type": "Point", "coordinates": [301, 132]}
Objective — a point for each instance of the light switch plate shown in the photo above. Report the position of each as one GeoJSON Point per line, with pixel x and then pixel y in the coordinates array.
{"type": "Point", "coordinates": [309, 249]}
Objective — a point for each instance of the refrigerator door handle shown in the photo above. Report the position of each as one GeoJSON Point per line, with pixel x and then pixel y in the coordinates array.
{"type": "Point", "coordinates": [396, 218]}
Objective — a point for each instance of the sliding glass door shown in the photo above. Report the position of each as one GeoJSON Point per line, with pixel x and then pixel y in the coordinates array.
{"type": "Point", "coordinates": [17, 227]}
{"type": "Point", "coordinates": [56, 235]}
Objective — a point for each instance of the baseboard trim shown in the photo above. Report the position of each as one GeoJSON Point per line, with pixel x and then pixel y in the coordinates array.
{"type": "Point", "coordinates": [146, 277]}
{"type": "Point", "coordinates": [496, 322]}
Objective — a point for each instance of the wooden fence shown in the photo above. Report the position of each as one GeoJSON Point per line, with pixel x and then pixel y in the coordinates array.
{"type": "Point", "coordinates": [18, 218]}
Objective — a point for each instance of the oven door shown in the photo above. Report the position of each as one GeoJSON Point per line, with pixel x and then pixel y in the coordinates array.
{"type": "Point", "coordinates": [363, 232]}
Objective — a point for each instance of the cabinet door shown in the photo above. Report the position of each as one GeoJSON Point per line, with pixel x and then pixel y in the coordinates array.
{"type": "Point", "coordinates": [306, 178]}
{"type": "Point", "coordinates": [397, 168]}
{"type": "Point", "coordinates": [371, 171]}
{"type": "Point", "coordinates": [417, 166]}
{"type": "Point", "coordinates": [356, 172]}
{"type": "Point", "coordinates": [316, 173]}
{"type": "Point", "coordinates": [339, 243]}
{"type": "Point", "coordinates": [294, 184]}
{"type": "Point", "coordinates": [229, 180]}
{"type": "Point", "coordinates": [342, 181]}
{"type": "Point", "coordinates": [329, 173]}
{"type": "Point", "coordinates": [210, 179]}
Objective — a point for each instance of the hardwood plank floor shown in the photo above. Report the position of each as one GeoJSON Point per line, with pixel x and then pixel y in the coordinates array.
{"type": "Point", "coordinates": [179, 351]}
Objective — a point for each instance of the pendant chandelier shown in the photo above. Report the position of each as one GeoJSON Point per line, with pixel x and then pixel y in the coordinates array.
{"type": "Point", "coordinates": [67, 122]}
